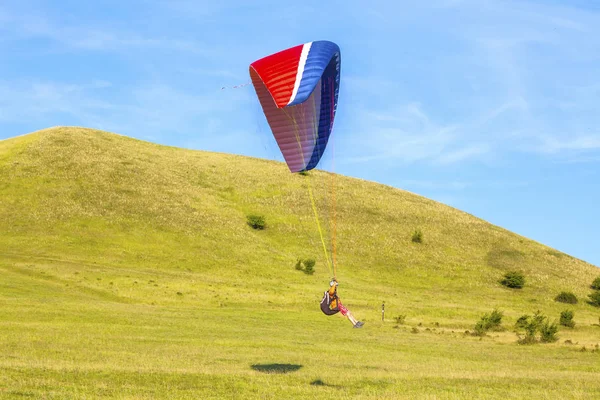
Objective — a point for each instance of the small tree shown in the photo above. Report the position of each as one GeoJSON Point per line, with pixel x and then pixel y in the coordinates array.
{"type": "Point", "coordinates": [533, 325]}
{"type": "Point", "coordinates": [513, 280]}
{"type": "Point", "coordinates": [596, 284]}
{"type": "Point", "coordinates": [496, 320]}
{"type": "Point", "coordinates": [488, 322]}
{"type": "Point", "coordinates": [548, 332]}
{"type": "Point", "coordinates": [595, 298]}
{"type": "Point", "coordinates": [256, 221]}
{"type": "Point", "coordinates": [566, 297]}
{"type": "Point", "coordinates": [417, 236]}
{"type": "Point", "coordinates": [566, 318]}
{"type": "Point", "coordinates": [309, 266]}
{"type": "Point", "coordinates": [480, 327]}
{"type": "Point", "coordinates": [522, 322]}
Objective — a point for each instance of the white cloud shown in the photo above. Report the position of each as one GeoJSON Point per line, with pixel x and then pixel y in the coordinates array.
{"type": "Point", "coordinates": [588, 142]}
{"type": "Point", "coordinates": [37, 100]}
{"type": "Point", "coordinates": [90, 36]}
{"type": "Point", "coordinates": [406, 134]}
{"type": "Point", "coordinates": [465, 153]}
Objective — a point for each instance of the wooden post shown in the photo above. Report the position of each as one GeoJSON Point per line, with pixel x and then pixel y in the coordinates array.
{"type": "Point", "coordinates": [382, 311]}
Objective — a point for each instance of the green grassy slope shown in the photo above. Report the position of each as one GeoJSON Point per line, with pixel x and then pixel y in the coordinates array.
{"type": "Point", "coordinates": [128, 271]}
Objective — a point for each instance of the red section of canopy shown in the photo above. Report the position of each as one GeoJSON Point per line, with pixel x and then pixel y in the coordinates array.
{"type": "Point", "coordinates": [278, 73]}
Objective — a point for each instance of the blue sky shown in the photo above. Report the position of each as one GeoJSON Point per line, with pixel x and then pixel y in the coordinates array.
{"type": "Point", "coordinates": [488, 106]}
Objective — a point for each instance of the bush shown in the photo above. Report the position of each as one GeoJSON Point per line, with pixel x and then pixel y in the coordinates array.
{"type": "Point", "coordinates": [596, 284]}
{"type": "Point", "coordinates": [256, 221]}
{"type": "Point", "coordinates": [566, 319]}
{"type": "Point", "coordinates": [299, 266]}
{"type": "Point", "coordinates": [529, 337]}
{"type": "Point", "coordinates": [538, 318]}
{"type": "Point", "coordinates": [566, 297]}
{"type": "Point", "coordinates": [522, 322]}
{"type": "Point", "coordinates": [400, 319]}
{"type": "Point", "coordinates": [307, 266]}
{"type": "Point", "coordinates": [488, 322]}
{"type": "Point", "coordinates": [533, 325]}
{"type": "Point", "coordinates": [513, 280]}
{"type": "Point", "coordinates": [495, 320]}
{"type": "Point", "coordinates": [417, 236]}
{"type": "Point", "coordinates": [548, 332]}
{"type": "Point", "coordinates": [595, 298]}
{"type": "Point", "coordinates": [480, 327]}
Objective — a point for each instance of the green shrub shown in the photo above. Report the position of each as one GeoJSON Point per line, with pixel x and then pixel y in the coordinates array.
{"type": "Point", "coordinates": [548, 332]}
{"type": "Point", "coordinates": [596, 284]}
{"type": "Point", "coordinates": [533, 325]}
{"type": "Point", "coordinates": [522, 322]}
{"type": "Point", "coordinates": [480, 328]}
{"type": "Point", "coordinates": [566, 318]}
{"type": "Point", "coordinates": [400, 319]}
{"type": "Point", "coordinates": [595, 298]}
{"type": "Point", "coordinates": [309, 266]}
{"type": "Point", "coordinates": [495, 320]}
{"type": "Point", "coordinates": [488, 322]}
{"type": "Point", "coordinates": [513, 280]}
{"type": "Point", "coordinates": [417, 236]}
{"type": "Point", "coordinates": [525, 323]}
{"type": "Point", "coordinates": [529, 337]}
{"type": "Point", "coordinates": [256, 221]}
{"type": "Point", "coordinates": [566, 297]}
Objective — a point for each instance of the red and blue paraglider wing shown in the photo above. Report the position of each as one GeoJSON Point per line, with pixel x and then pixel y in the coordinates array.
{"type": "Point", "coordinates": [298, 91]}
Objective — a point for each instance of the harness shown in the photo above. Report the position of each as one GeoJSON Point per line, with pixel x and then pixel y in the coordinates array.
{"type": "Point", "coordinates": [326, 303]}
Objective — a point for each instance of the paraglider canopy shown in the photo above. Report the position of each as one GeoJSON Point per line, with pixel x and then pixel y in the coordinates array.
{"type": "Point", "coordinates": [298, 91]}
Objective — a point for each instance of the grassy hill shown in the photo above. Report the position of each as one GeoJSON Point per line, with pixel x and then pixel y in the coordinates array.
{"type": "Point", "coordinates": [128, 271]}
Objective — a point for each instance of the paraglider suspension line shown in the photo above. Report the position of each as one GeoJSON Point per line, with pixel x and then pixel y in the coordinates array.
{"type": "Point", "coordinates": [310, 191]}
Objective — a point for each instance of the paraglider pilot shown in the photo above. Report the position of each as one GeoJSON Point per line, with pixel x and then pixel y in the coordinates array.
{"type": "Point", "coordinates": [331, 304]}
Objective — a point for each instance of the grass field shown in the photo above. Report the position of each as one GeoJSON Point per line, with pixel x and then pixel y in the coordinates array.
{"type": "Point", "coordinates": [127, 271]}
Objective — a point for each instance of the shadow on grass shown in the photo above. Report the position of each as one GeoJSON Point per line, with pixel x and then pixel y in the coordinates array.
{"type": "Point", "coordinates": [321, 383]}
{"type": "Point", "coordinates": [276, 368]}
